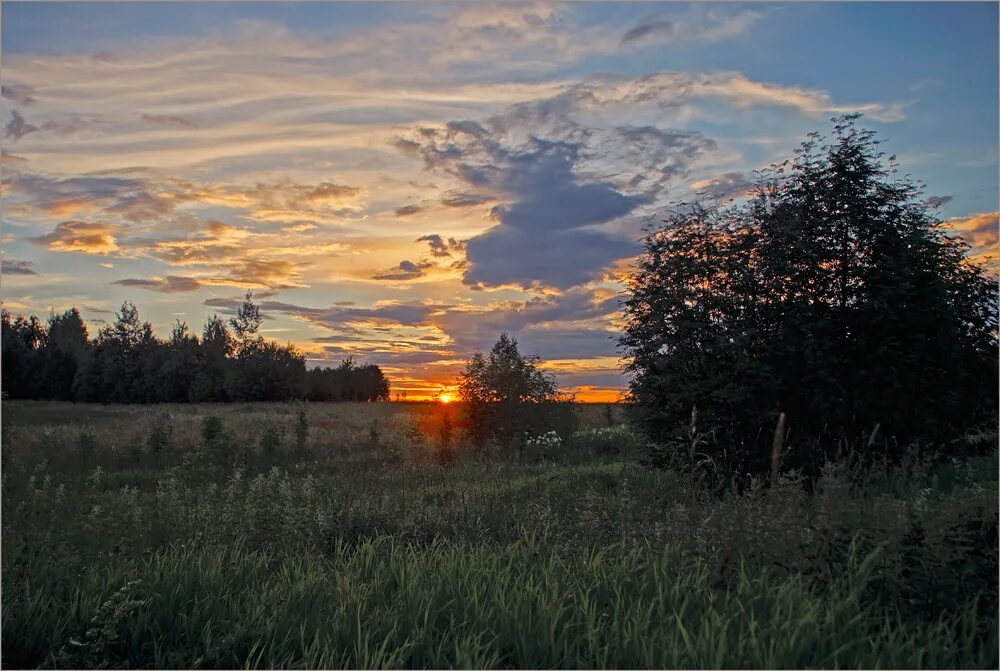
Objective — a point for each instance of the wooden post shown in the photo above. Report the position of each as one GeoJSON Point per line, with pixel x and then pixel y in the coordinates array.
{"type": "Point", "coordinates": [776, 445]}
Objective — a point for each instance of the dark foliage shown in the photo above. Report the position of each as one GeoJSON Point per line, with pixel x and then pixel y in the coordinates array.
{"type": "Point", "coordinates": [506, 395]}
{"type": "Point", "coordinates": [347, 382]}
{"type": "Point", "coordinates": [126, 363]}
{"type": "Point", "coordinates": [834, 296]}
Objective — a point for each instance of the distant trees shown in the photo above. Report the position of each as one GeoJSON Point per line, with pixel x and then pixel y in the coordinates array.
{"type": "Point", "coordinates": [126, 363]}
{"type": "Point", "coordinates": [506, 394]}
{"type": "Point", "coordinates": [834, 296]}
{"type": "Point", "coordinates": [347, 382]}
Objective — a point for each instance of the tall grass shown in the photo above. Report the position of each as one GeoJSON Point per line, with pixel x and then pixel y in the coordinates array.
{"type": "Point", "coordinates": [213, 548]}
{"type": "Point", "coordinates": [387, 604]}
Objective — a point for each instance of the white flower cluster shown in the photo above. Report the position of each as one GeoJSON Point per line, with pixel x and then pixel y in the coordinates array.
{"type": "Point", "coordinates": [544, 441]}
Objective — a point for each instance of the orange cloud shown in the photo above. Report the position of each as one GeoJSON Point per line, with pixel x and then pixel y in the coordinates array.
{"type": "Point", "coordinates": [982, 232]}
{"type": "Point", "coordinates": [80, 236]}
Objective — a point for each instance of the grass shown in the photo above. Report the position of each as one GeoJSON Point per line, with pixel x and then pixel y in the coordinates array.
{"type": "Point", "coordinates": [153, 543]}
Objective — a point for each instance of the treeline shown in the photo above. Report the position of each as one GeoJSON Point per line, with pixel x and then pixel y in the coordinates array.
{"type": "Point", "coordinates": [127, 363]}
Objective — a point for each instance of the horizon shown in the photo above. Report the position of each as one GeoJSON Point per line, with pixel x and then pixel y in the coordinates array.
{"type": "Point", "coordinates": [489, 171]}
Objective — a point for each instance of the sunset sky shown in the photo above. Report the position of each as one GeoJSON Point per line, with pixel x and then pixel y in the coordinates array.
{"type": "Point", "coordinates": [403, 181]}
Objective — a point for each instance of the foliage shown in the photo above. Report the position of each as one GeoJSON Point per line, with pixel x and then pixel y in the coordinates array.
{"type": "Point", "coordinates": [506, 395]}
{"type": "Point", "coordinates": [347, 382]}
{"type": "Point", "coordinates": [301, 430]}
{"type": "Point", "coordinates": [126, 363]}
{"type": "Point", "coordinates": [834, 296]}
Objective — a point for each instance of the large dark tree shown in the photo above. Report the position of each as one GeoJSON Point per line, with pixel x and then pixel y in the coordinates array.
{"type": "Point", "coordinates": [835, 296]}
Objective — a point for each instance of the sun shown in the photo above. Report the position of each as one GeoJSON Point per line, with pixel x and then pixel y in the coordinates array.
{"type": "Point", "coordinates": [445, 398]}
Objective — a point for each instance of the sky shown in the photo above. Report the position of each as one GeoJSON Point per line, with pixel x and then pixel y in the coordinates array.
{"type": "Point", "coordinates": [402, 182]}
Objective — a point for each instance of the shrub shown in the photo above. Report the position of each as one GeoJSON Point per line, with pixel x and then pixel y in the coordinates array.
{"type": "Point", "coordinates": [506, 394]}
{"type": "Point", "coordinates": [301, 430]}
{"type": "Point", "coordinates": [158, 434]}
{"type": "Point", "coordinates": [270, 438]}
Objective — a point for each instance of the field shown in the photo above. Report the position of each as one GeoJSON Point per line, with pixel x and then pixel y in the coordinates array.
{"type": "Point", "coordinates": [369, 535]}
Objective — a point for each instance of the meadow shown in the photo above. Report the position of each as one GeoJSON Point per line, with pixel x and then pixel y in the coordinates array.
{"type": "Point", "coordinates": [371, 535]}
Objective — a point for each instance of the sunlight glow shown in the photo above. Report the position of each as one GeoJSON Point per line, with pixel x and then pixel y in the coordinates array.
{"type": "Point", "coordinates": [445, 398]}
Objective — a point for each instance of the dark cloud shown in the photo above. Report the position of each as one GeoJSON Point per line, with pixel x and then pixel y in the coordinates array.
{"type": "Point", "coordinates": [341, 318]}
{"type": "Point", "coordinates": [168, 285]}
{"type": "Point", "coordinates": [17, 127]}
{"type": "Point", "coordinates": [168, 120]}
{"type": "Point", "coordinates": [542, 238]}
{"type": "Point", "coordinates": [406, 270]}
{"type": "Point", "coordinates": [556, 180]}
{"type": "Point", "coordinates": [440, 247]}
{"type": "Point", "coordinates": [661, 29]}
{"type": "Point", "coordinates": [14, 267]}
{"type": "Point", "coordinates": [130, 198]}
{"type": "Point", "coordinates": [569, 343]}
{"type": "Point", "coordinates": [407, 210]}
{"type": "Point", "coordinates": [506, 255]}
{"type": "Point", "coordinates": [21, 94]}
{"type": "Point", "coordinates": [462, 199]}
{"type": "Point", "coordinates": [726, 186]}
{"type": "Point", "coordinates": [939, 201]}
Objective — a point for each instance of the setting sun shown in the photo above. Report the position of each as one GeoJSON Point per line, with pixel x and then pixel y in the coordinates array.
{"type": "Point", "coordinates": [445, 398]}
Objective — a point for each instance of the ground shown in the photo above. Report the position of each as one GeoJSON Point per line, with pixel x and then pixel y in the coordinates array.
{"type": "Point", "coordinates": [371, 535]}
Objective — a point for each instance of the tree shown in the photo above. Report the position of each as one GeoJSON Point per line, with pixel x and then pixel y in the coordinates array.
{"type": "Point", "coordinates": [506, 394]}
{"type": "Point", "coordinates": [347, 382]}
{"type": "Point", "coordinates": [179, 366]}
{"type": "Point", "coordinates": [268, 371]}
{"type": "Point", "coordinates": [116, 370]}
{"type": "Point", "coordinates": [66, 351]}
{"type": "Point", "coordinates": [246, 325]}
{"type": "Point", "coordinates": [210, 379]}
{"type": "Point", "coordinates": [834, 296]}
{"type": "Point", "coordinates": [24, 340]}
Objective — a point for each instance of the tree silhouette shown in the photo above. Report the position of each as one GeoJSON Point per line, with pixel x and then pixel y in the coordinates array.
{"type": "Point", "coordinates": [833, 296]}
{"type": "Point", "coordinates": [126, 363]}
{"type": "Point", "coordinates": [507, 394]}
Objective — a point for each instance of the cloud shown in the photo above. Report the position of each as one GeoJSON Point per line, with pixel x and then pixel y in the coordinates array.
{"type": "Point", "coordinates": [168, 120]}
{"type": "Point", "coordinates": [80, 236]}
{"type": "Point", "coordinates": [505, 256]}
{"type": "Point", "coordinates": [21, 94]}
{"type": "Point", "coordinates": [406, 270]}
{"type": "Point", "coordinates": [8, 159]}
{"type": "Point", "coordinates": [939, 201]}
{"type": "Point", "coordinates": [17, 127]}
{"type": "Point", "coordinates": [724, 187]}
{"type": "Point", "coordinates": [556, 180]}
{"type": "Point", "coordinates": [14, 267]}
{"type": "Point", "coordinates": [982, 232]}
{"type": "Point", "coordinates": [407, 210]}
{"type": "Point", "coordinates": [652, 29]}
{"type": "Point", "coordinates": [131, 198]}
{"type": "Point", "coordinates": [168, 285]}
{"type": "Point", "coordinates": [462, 199]}
{"type": "Point", "coordinates": [440, 247]}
